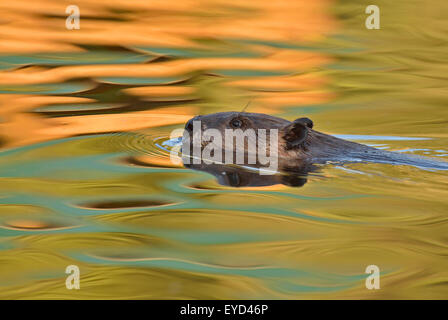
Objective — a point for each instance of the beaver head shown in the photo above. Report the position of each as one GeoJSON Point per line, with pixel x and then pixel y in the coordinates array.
{"type": "Point", "coordinates": [293, 137]}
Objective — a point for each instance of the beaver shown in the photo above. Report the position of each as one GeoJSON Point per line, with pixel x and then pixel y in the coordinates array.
{"type": "Point", "coordinates": [301, 146]}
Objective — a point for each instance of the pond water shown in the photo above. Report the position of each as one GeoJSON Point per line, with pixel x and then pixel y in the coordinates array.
{"type": "Point", "coordinates": [86, 177]}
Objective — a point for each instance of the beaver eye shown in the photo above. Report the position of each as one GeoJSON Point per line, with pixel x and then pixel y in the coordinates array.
{"type": "Point", "coordinates": [236, 123]}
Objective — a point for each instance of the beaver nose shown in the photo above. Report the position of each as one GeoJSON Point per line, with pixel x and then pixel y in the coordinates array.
{"type": "Point", "coordinates": [189, 124]}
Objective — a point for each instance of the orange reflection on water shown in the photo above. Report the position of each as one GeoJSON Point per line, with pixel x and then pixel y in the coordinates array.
{"type": "Point", "coordinates": [159, 22]}
{"type": "Point", "coordinates": [139, 28]}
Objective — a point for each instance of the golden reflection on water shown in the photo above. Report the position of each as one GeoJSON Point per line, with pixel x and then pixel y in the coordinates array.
{"type": "Point", "coordinates": [86, 179]}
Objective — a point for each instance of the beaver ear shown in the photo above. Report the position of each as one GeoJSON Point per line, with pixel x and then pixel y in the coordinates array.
{"type": "Point", "coordinates": [306, 121]}
{"type": "Point", "coordinates": [296, 132]}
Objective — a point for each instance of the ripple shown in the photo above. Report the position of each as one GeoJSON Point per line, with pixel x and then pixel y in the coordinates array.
{"type": "Point", "coordinates": [48, 88]}
{"type": "Point", "coordinates": [74, 58]}
{"type": "Point", "coordinates": [142, 80]}
{"type": "Point", "coordinates": [78, 107]}
{"type": "Point", "coordinates": [145, 148]}
{"type": "Point", "coordinates": [126, 203]}
{"type": "Point", "coordinates": [378, 138]}
{"type": "Point", "coordinates": [33, 225]}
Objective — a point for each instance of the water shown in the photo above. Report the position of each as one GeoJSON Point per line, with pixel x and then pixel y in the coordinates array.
{"type": "Point", "coordinates": [86, 177]}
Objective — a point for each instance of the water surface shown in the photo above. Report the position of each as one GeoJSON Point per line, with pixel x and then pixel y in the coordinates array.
{"type": "Point", "coordinates": [86, 177]}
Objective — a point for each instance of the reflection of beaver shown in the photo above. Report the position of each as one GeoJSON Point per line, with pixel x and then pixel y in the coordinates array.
{"type": "Point", "coordinates": [299, 145]}
{"type": "Point", "coordinates": [234, 176]}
